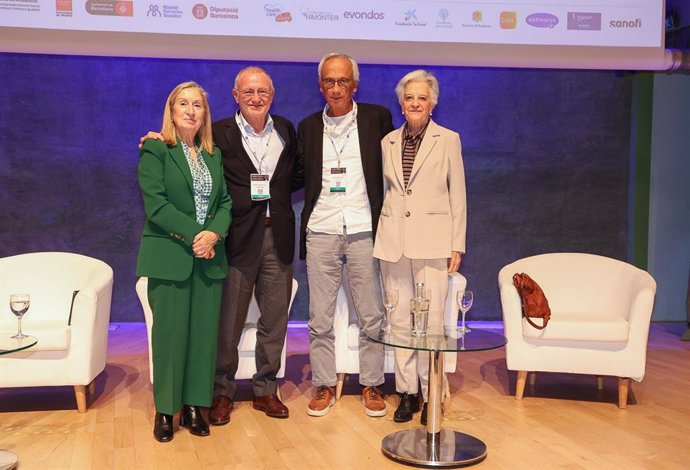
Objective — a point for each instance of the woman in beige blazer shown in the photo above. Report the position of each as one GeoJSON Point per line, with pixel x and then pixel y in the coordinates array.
{"type": "Point", "coordinates": [421, 232]}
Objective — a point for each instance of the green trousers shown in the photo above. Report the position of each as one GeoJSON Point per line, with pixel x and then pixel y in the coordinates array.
{"type": "Point", "coordinates": [184, 340]}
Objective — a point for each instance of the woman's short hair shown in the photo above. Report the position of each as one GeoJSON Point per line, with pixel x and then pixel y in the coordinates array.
{"type": "Point", "coordinates": [418, 76]}
{"type": "Point", "coordinates": [337, 55]}
{"type": "Point", "coordinates": [204, 134]}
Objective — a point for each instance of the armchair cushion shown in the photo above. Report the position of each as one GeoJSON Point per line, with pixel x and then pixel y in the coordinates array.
{"type": "Point", "coordinates": [591, 326]}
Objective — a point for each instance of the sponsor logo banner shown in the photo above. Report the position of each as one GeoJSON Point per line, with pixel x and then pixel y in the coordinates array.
{"type": "Point", "coordinates": [410, 19]}
{"type": "Point", "coordinates": [542, 20]}
{"type": "Point", "coordinates": [477, 20]}
{"type": "Point", "coordinates": [201, 11]}
{"type": "Point", "coordinates": [508, 19]}
{"type": "Point", "coordinates": [30, 6]}
{"type": "Point", "coordinates": [276, 11]}
{"type": "Point", "coordinates": [156, 10]}
{"type": "Point", "coordinates": [110, 7]}
{"type": "Point", "coordinates": [63, 8]}
{"type": "Point", "coordinates": [318, 15]}
{"type": "Point", "coordinates": [584, 21]}
{"type": "Point", "coordinates": [364, 15]}
{"type": "Point", "coordinates": [634, 23]}
{"type": "Point", "coordinates": [442, 21]}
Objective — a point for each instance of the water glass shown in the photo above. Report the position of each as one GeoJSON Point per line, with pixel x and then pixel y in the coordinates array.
{"type": "Point", "coordinates": [419, 313]}
{"type": "Point", "coordinates": [390, 301]}
{"type": "Point", "coordinates": [19, 304]}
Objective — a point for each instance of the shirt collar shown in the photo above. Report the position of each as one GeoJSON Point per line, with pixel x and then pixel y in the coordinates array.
{"type": "Point", "coordinates": [345, 118]}
{"type": "Point", "coordinates": [249, 130]}
{"type": "Point", "coordinates": [414, 138]}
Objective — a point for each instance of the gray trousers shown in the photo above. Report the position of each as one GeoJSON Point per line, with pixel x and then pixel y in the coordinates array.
{"type": "Point", "coordinates": [325, 255]}
{"type": "Point", "coordinates": [271, 282]}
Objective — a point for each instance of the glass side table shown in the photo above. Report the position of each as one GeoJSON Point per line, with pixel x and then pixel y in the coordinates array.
{"type": "Point", "coordinates": [9, 345]}
{"type": "Point", "coordinates": [8, 460]}
{"type": "Point", "coordinates": [434, 446]}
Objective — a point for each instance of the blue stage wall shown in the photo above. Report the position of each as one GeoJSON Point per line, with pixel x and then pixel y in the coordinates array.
{"type": "Point", "coordinates": [546, 156]}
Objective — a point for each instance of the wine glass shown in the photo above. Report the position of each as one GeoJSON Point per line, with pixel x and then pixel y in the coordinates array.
{"type": "Point", "coordinates": [464, 299]}
{"type": "Point", "coordinates": [19, 304]}
{"type": "Point", "coordinates": [391, 298]}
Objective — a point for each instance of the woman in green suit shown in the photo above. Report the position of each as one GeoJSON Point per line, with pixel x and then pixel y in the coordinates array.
{"type": "Point", "coordinates": [187, 216]}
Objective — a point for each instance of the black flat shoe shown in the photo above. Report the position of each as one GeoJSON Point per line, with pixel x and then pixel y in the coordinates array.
{"type": "Point", "coordinates": [191, 419]}
{"type": "Point", "coordinates": [163, 427]}
{"type": "Point", "coordinates": [424, 414]}
{"type": "Point", "coordinates": [408, 405]}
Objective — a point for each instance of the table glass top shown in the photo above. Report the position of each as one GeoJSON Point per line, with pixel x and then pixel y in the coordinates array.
{"type": "Point", "coordinates": [10, 345]}
{"type": "Point", "coordinates": [446, 339]}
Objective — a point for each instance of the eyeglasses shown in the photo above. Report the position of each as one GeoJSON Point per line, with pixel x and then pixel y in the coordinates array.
{"type": "Point", "coordinates": [248, 93]}
{"type": "Point", "coordinates": [330, 82]}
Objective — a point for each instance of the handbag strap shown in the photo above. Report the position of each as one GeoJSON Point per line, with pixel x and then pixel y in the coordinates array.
{"type": "Point", "coordinates": [534, 324]}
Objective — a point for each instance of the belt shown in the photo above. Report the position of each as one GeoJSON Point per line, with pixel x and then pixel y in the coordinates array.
{"type": "Point", "coordinates": [267, 222]}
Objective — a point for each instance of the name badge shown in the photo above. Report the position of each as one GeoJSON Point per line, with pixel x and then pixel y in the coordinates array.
{"type": "Point", "coordinates": [338, 180]}
{"type": "Point", "coordinates": [259, 187]}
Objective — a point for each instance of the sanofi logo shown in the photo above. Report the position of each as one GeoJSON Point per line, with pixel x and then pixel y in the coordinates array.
{"type": "Point", "coordinates": [626, 24]}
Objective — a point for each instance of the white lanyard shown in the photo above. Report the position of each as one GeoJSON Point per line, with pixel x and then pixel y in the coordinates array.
{"type": "Point", "coordinates": [258, 160]}
{"type": "Point", "coordinates": [349, 128]}
{"type": "Point", "coordinates": [245, 137]}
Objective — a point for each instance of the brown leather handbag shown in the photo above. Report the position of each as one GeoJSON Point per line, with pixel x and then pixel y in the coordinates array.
{"type": "Point", "coordinates": [534, 303]}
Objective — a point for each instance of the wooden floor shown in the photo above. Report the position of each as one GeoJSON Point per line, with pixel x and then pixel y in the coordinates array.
{"type": "Point", "coordinates": [563, 422]}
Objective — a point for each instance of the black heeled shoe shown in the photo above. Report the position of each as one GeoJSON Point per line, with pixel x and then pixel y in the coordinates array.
{"type": "Point", "coordinates": [408, 405]}
{"type": "Point", "coordinates": [192, 419]}
{"type": "Point", "coordinates": [163, 427]}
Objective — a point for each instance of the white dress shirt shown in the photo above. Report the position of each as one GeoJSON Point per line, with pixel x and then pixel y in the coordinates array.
{"type": "Point", "coordinates": [263, 149]}
{"type": "Point", "coordinates": [349, 210]}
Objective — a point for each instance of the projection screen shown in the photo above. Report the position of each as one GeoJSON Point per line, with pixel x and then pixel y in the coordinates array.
{"type": "Point", "coordinates": [596, 34]}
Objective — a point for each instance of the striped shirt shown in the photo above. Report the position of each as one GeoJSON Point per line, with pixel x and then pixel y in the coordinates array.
{"type": "Point", "coordinates": [410, 147]}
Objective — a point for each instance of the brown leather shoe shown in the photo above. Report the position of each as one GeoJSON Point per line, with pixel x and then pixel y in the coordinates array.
{"type": "Point", "coordinates": [219, 413]}
{"type": "Point", "coordinates": [374, 404]}
{"type": "Point", "coordinates": [323, 399]}
{"type": "Point", "coordinates": [272, 406]}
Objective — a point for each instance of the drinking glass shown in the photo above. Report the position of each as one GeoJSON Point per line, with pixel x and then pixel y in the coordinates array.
{"type": "Point", "coordinates": [19, 304]}
{"type": "Point", "coordinates": [391, 298]}
{"type": "Point", "coordinates": [464, 299]}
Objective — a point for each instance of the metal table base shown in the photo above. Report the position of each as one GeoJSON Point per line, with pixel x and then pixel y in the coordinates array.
{"type": "Point", "coordinates": [443, 449]}
{"type": "Point", "coordinates": [433, 446]}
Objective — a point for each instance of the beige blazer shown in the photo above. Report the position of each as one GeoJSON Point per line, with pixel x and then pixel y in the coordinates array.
{"type": "Point", "coordinates": [428, 219]}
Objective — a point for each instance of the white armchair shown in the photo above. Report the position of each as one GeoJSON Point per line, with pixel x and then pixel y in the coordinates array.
{"type": "Point", "coordinates": [347, 332]}
{"type": "Point", "coordinates": [247, 364]}
{"type": "Point", "coordinates": [601, 310]}
{"type": "Point", "coordinates": [69, 314]}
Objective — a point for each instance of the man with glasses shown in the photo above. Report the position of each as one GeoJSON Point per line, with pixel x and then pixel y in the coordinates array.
{"type": "Point", "coordinates": [258, 151]}
{"type": "Point", "coordinates": [259, 156]}
{"type": "Point", "coordinates": [340, 155]}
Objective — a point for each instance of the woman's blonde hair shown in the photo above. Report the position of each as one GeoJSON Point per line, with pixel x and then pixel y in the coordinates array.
{"type": "Point", "coordinates": [204, 135]}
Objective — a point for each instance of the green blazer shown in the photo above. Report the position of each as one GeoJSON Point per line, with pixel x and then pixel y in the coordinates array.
{"type": "Point", "coordinates": [166, 187]}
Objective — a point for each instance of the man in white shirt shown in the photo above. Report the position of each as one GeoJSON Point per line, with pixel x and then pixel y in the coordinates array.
{"type": "Point", "coordinates": [339, 153]}
{"type": "Point", "coordinates": [259, 156]}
